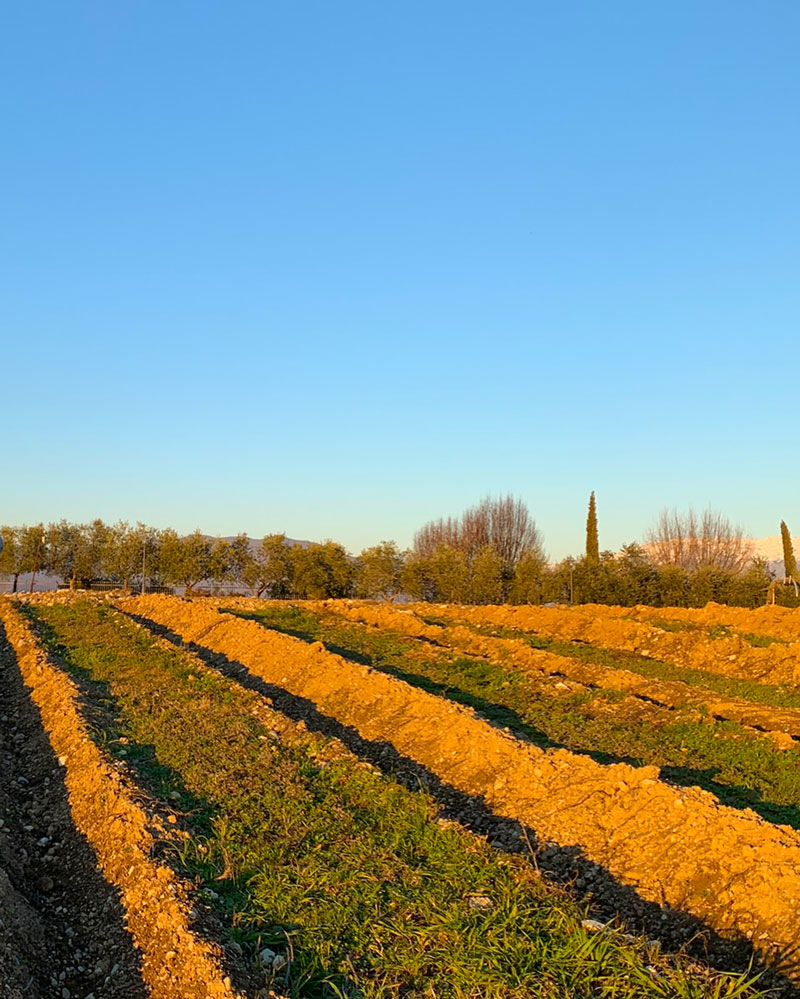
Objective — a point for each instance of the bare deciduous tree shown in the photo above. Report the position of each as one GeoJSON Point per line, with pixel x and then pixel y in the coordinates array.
{"type": "Point", "coordinates": [695, 542]}
{"type": "Point", "coordinates": [503, 524]}
{"type": "Point", "coordinates": [436, 533]}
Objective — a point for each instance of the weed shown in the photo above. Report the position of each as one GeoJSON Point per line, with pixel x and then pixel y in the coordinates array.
{"type": "Point", "coordinates": [668, 624]}
{"type": "Point", "coordinates": [720, 631]}
{"type": "Point", "coordinates": [759, 641]}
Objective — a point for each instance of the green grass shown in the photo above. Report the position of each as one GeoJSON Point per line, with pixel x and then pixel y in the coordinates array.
{"type": "Point", "coordinates": [719, 631]}
{"type": "Point", "coordinates": [782, 696]}
{"type": "Point", "coordinates": [314, 854]}
{"type": "Point", "coordinates": [714, 632]}
{"type": "Point", "coordinates": [744, 770]}
{"type": "Point", "coordinates": [761, 641]}
{"type": "Point", "coordinates": [669, 624]}
{"type": "Point", "coordinates": [774, 695]}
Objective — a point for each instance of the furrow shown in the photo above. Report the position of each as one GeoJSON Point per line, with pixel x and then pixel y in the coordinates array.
{"type": "Point", "coordinates": [175, 962]}
{"type": "Point", "coordinates": [727, 655]}
{"type": "Point", "coordinates": [677, 847]}
{"type": "Point", "coordinates": [672, 694]}
{"type": "Point", "coordinates": [779, 623]}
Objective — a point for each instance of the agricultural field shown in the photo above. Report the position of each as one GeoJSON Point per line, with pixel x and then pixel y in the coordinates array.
{"type": "Point", "coordinates": [244, 798]}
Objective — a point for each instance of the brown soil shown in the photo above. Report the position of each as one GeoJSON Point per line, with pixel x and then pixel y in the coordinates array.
{"type": "Point", "coordinates": [782, 725]}
{"type": "Point", "coordinates": [603, 626]}
{"type": "Point", "coordinates": [61, 925]}
{"type": "Point", "coordinates": [116, 835]}
{"type": "Point", "coordinates": [779, 622]}
{"type": "Point", "coordinates": [677, 847]}
{"type": "Point", "coordinates": [554, 678]}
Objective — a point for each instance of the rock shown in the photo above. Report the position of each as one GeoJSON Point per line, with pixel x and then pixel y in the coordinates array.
{"type": "Point", "coordinates": [593, 925]}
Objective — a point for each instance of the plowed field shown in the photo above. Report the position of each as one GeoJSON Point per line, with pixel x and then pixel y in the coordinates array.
{"type": "Point", "coordinates": [323, 800]}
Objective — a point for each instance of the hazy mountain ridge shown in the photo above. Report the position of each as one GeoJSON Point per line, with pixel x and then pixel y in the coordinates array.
{"type": "Point", "coordinates": [771, 548]}
{"type": "Point", "coordinates": [255, 542]}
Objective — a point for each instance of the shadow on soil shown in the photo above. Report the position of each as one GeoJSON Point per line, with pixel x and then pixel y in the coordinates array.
{"type": "Point", "coordinates": [63, 923]}
{"type": "Point", "coordinates": [756, 690]}
{"type": "Point", "coordinates": [733, 795]}
{"type": "Point", "coordinates": [585, 880]}
{"type": "Point", "coordinates": [195, 814]}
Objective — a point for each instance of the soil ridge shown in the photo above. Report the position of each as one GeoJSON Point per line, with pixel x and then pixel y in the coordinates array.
{"type": "Point", "coordinates": [677, 847]}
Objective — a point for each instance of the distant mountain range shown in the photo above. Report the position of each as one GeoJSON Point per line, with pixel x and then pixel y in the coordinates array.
{"type": "Point", "coordinates": [771, 549]}
{"type": "Point", "coordinates": [255, 542]}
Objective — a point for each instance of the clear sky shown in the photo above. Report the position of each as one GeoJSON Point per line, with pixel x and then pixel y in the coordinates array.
{"type": "Point", "coordinates": [338, 268]}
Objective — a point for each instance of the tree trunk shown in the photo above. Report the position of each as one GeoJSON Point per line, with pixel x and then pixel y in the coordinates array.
{"type": "Point", "coordinates": [16, 580]}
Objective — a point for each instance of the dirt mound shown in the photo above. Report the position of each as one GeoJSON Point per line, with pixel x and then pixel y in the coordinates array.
{"type": "Point", "coordinates": [677, 847]}
{"type": "Point", "coordinates": [778, 622]}
{"type": "Point", "coordinates": [600, 625]}
{"type": "Point", "coordinates": [61, 924]}
{"type": "Point", "coordinates": [781, 724]}
{"type": "Point", "coordinates": [175, 962]}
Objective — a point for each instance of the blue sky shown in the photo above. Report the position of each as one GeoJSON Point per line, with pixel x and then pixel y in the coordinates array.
{"type": "Point", "coordinates": [336, 269]}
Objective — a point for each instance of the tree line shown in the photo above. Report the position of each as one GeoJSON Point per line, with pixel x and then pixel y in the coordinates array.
{"type": "Point", "coordinates": [140, 556]}
{"type": "Point", "coordinates": [491, 553]}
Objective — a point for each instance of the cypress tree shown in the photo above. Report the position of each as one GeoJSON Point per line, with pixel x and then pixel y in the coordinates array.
{"type": "Point", "coordinates": [789, 561]}
{"type": "Point", "coordinates": [592, 542]}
